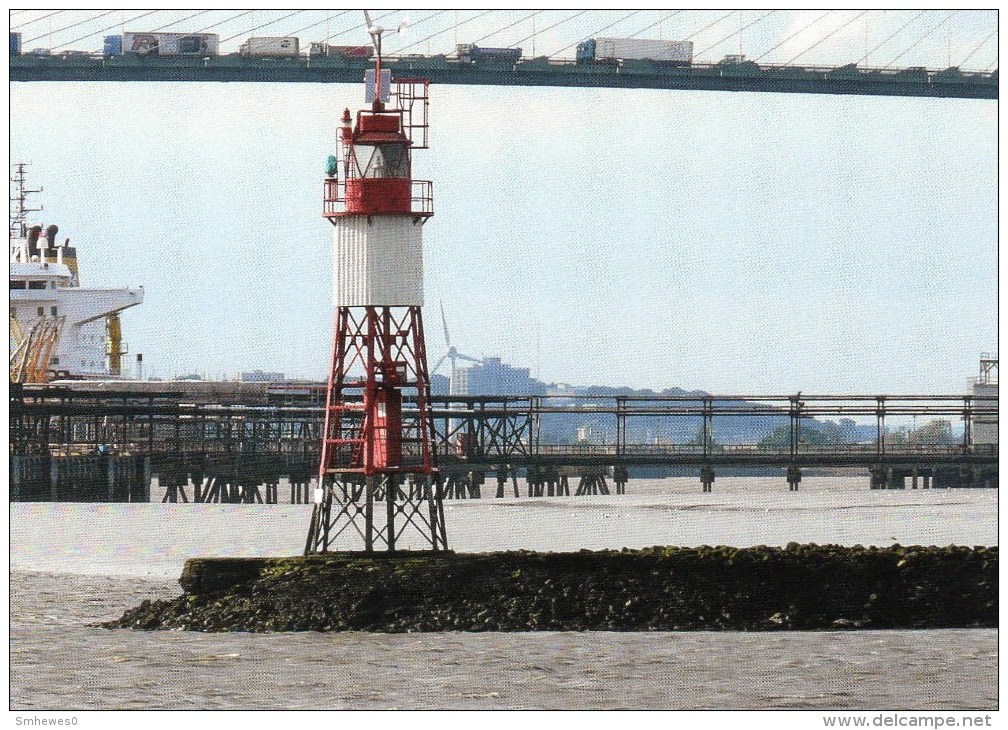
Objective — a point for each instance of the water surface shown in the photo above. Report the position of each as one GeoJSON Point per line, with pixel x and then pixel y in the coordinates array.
{"type": "Point", "coordinates": [76, 564]}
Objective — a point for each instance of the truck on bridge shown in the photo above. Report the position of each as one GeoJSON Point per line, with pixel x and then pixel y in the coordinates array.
{"type": "Point", "coordinates": [471, 53]}
{"type": "Point", "coordinates": [615, 50]}
{"type": "Point", "coordinates": [281, 47]}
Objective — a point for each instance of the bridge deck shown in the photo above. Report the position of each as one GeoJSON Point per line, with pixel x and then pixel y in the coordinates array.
{"type": "Point", "coordinates": [947, 83]}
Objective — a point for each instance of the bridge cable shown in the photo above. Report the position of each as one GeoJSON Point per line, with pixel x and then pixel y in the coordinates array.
{"type": "Point", "coordinates": [358, 26]}
{"type": "Point", "coordinates": [595, 33]}
{"type": "Point", "coordinates": [507, 27]}
{"type": "Point", "coordinates": [324, 20]}
{"type": "Point", "coordinates": [445, 30]}
{"type": "Point", "coordinates": [180, 20]}
{"type": "Point", "coordinates": [35, 20]}
{"type": "Point", "coordinates": [919, 40]}
{"type": "Point", "coordinates": [657, 22]}
{"type": "Point", "coordinates": [797, 32]}
{"type": "Point", "coordinates": [559, 22]}
{"type": "Point", "coordinates": [735, 33]}
{"type": "Point", "coordinates": [272, 22]}
{"type": "Point", "coordinates": [827, 36]}
{"type": "Point", "coordinates": [413, 24]}
{"type": "Point", "coordinates": [710, 25]}
{"type": "Point", "coordinates": [900, 30]}
{"type": "Point", "coordinates": [979, 46]}
{"type": "Point", "coordinates": [226, 20]}
{"type": "Point", "coordinates": [111, 27]}
{"type": "Point", "coordinates": [992, 66]}
{"type": "Point", "coordinates": [72, 25]}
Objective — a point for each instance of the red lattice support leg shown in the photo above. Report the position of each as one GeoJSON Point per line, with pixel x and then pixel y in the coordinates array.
{"type": "Point", "coordinates": [378, 435]}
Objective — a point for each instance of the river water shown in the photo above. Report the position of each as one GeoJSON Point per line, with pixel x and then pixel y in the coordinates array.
{"type": "Point", "coordinates": [75, 564]}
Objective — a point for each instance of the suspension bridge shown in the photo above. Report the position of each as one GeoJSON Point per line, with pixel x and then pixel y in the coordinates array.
{"type": "Point", "coordinates": [943, 54]}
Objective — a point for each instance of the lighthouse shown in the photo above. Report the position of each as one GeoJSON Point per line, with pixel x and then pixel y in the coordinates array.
{"type": "Point", "coordinates": [377, 472]}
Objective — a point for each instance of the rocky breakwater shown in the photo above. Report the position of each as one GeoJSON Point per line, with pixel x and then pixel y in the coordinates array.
{"type": "Point", "coordinates": [800, 587]}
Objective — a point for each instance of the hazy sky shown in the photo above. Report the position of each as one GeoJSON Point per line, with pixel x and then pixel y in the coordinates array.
{"type": "Point", "coordinates": [733, 242]}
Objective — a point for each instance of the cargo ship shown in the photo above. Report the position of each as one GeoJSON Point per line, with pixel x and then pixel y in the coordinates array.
{"type": "Point", "coordinates": [58, 328]}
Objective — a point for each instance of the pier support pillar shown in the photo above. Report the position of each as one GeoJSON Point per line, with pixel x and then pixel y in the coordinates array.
{"type": "Point", "coordinates": [620, 477]}
{"type": "Point", "coordinates": [533, 478]}
{"type": "Point", "coordinates": [459, 485]}
{"type": "Point", "coordinates": [15, 478]}
{"type": "Point", "coordinates": [54, 479]}
{"type": "Point", "coordinates": [793, 478]}
{"type": "Point", "coordinates": [200, 485]}
{"type": "Point", "coordinates": [707, 478]}
{"type": "Point", "coordinates": [110, 473]}
{"type": "Point", "coordinates": [504, 472]}
{"type": "Point", "coordinates": [592, 482]}
{"type": "Point", "coordinates": [174, 492]}
{"type": "Point", "coordinates": [146, 478]}
{"type": "Point", "coordinates": [550, 480]}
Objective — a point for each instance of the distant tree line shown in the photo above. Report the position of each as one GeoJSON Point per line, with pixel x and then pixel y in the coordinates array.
{"type": "Point", "coordinates": [827, 433]}
{"type": "Point", "coordinates": [933, 433]}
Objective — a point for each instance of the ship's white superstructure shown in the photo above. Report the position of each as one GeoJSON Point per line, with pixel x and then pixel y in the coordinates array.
{"type": "Point", "coordinates": [45, 290]}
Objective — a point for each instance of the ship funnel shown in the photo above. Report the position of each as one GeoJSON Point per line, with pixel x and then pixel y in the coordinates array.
{"type": "Point", "coordinates": [33, 236]}
{"type": "Point", "coordinates": [50, 234]}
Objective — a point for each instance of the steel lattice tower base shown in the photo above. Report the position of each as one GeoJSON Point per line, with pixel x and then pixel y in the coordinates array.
{"type": "Point", "coordinates": [378, 475]}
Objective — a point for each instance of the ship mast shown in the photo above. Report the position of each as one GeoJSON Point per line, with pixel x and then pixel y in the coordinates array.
{"type": "Point", "coordinates": [19, 202]}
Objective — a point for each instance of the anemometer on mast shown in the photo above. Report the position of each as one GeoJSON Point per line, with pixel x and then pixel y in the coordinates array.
{"type": "Point", "coordinates": [376, 31]}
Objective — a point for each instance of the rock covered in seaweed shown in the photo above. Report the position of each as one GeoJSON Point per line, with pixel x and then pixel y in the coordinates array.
{"type": "Point", "coordinates": [801, 587]}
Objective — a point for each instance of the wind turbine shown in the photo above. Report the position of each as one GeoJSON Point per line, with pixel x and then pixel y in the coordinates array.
{"type": "Point", "coordinates": [376, 31]}
{"type": "Point", "coordinates": [453, 355]}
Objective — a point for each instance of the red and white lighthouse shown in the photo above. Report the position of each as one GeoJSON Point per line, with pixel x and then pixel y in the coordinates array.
{"type": "Point", "coordinates": [377, 475]}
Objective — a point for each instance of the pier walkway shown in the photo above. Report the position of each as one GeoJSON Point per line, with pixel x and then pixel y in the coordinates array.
{"type": "Point", "coordinates": [86, 443]}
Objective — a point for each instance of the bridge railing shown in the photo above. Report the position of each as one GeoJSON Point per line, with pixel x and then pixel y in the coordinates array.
{"type": "Point", "coordinates": [501, 429]}
{"type": "Point", "coordinates": [866, 449]}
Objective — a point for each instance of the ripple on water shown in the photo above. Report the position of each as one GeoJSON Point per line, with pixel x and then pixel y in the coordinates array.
{"type": "Point", "coordinates": [60, 659]}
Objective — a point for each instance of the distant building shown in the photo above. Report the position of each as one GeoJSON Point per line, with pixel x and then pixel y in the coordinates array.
{"type": "Point", "coordinates": [258, 376]}
{"type": "Point", "coordinates": [985, 428]}
{"type": "Point", "coordinates": [494, 377]}
{"type": "Point", "coordinates": [439, 384]}
{"type": "Point", "coordinates": [565, 389]}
